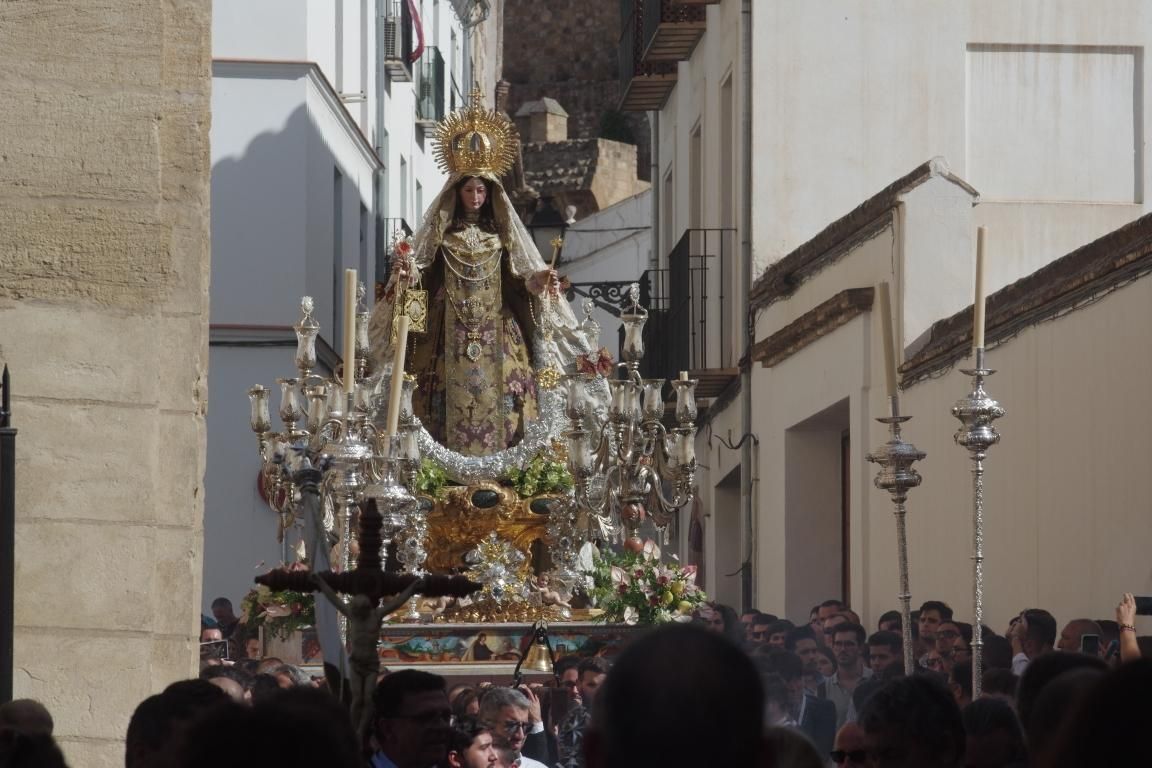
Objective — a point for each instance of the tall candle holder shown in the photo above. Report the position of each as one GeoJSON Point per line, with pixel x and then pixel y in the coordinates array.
{"type": "Point", "coordinates": [977, 434]}
{"type": "Point", "coordinates": [897, 476]}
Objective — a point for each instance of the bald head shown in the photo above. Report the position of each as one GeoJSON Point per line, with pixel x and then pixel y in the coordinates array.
{"type": "Point", "coordinates": [850, 738]}
{"type": "Point", "coordinates": [1074, 631]}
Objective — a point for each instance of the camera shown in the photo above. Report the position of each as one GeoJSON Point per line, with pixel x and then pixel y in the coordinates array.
{"type": "Point", "coordinates": [1090, 645]}
{"type": "Point", "coordinates": [214, 649]}
{"type": "Point", "coordinates": [1144, 606]}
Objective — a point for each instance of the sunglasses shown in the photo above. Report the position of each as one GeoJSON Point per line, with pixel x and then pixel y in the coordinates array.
{"type": "Point", "coordinates": [840, 756]}
{"type": "Point", "coordinates": [511, 726]}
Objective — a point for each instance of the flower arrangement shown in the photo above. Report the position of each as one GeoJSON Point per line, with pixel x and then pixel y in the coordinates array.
{"type": "Point", "coordinates": [599, 362]}
{"type": "Point", "coordinates": [541, 475]}
{"type": "Point", "coordinates": [280, 613]}
{"type": "Point", "coordinates": [636, 588]}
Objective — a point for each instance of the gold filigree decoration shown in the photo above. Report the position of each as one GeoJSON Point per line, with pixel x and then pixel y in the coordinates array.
{"type": "Point", "coordinates": [548, 377]}
{"type": "Point", "coordinates": [474, 141]}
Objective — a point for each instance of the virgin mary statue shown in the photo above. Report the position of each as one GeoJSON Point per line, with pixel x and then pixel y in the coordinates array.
{"type": "Point", "coordinates": [494, 320]}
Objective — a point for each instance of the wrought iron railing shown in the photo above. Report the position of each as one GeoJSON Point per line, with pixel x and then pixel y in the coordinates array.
{"type": "Point", "coordinates": [657, 12]}
{"type": "Point", "coordinates": [633, 42]}
{"type": "Point", "coordinates": [690, 305]}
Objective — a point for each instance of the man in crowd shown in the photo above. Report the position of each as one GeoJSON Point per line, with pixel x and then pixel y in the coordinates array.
{"type": "Point", "coordinates": [758, 635]}
{"type": "Point", "coordinates": [830, 625]}
{"type": "Point", "coordinates": [960, 682]}
{"type": "Point", "coordinates": [886, 654]}
{"type": "Point", "coordinates": [412, 719]}
{"type": "Point", "coordinates": [890, 621]}
{"type": "Point", "coordinates": [814, 716]}
{"type": "Point", "coordinates": [913, 722]}
{"type": "Point", "coordinates": [679, 695]}
{"type": "Point", "coordinates": [591, 672]}
{"type": "Point", "coordinates": [825, 610]}
{"type": "Point", "coordinates": [777, 633]}
{"type": "Point", "coordinates": [470, 745]}
{"type": "Point", "coordinates": [848, 749]}
{"type": "Point", "coordinates": [932, 613]}
{"type": "Point", "coordinates": [507, 713]}
{"type": "Point", "coordinates": [950, 638]}
{"type": "Point", "coordinates": [802, 642]}
{"type": "Point", "coordinates": [1074, 631]}
{"type": "Point", "coordinates": [1032, 634]}
{"type": "Point", "coordinates": [848, 645]}
{"type": "Point", "coordinates": [225, 617]}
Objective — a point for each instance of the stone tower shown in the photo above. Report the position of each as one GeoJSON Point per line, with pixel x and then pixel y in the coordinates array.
{"type": "Point", "coordinates": [104, 175]}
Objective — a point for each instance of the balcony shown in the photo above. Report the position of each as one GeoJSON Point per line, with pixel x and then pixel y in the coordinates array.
{"type": "Point", "coordinates": [692, 308]}
{"type": "Point", "coordinates": [396, 41]}
{"type": "Point", "coordinates": [645, 85]}
{"type": "Point", "coordinates": [671, 31]}
{"type": "Point", "coordinates": [429, 72]}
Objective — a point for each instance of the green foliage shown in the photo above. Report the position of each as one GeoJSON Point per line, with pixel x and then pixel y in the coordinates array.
{"type": "Point", "coordinates": [542, 475]}
{"type": "Point", "coordinates": [614, 125]}
{"type": "Point", "coordinates": [430, 479]}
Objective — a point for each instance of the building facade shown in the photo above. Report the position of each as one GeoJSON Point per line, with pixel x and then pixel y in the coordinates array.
{"type": "Point", "coordinates": [321, 154]}
{"type": "Point", "coordinates": [879, 136]}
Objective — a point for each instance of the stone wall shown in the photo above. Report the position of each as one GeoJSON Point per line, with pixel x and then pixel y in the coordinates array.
{"type": "Point", "coordinates": [104, 194]}
{"type": "Point", "coordinates": [568, 50]}
{"type": "Point", "coordinates": [591, 174]}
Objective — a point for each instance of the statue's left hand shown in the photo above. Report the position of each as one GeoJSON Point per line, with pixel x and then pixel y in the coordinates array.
{"type": "Point", "coordinates": [545, 279]}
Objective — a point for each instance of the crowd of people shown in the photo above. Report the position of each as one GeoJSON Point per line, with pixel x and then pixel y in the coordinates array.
{"type": "Point", "coordinates": [724, 690]}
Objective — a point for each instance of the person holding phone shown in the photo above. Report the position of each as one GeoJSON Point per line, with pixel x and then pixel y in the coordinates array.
{"type": "Point", "coordinates": [1080, 636]}
{"type": "Point", "coordinates": [1126, 618]}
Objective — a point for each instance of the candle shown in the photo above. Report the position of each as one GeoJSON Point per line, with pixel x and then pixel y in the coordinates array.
{"type": "Point", "coordinates": [683, 375]}
{"type": "Point", "coordinates": [397, 374]}
{"type": "Point", "coordinates": [978, 304]}
{"type": "Point", "coordinates": [349, 330]}
{"type": "Point", "coordinates": [889, 342]}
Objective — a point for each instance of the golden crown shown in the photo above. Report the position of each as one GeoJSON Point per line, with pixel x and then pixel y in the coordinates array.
{"type": "Point", "coordinates": [474, 141]}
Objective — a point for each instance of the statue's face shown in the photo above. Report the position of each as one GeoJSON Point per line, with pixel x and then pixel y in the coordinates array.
{"type": "Point", "coordinates": [473, 194]}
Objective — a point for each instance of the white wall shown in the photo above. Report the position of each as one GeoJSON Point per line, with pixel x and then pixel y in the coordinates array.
{"type": "Point", "coordinates": [612, 244]}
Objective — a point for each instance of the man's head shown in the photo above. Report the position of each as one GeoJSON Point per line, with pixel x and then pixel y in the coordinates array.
{"type": "Point", "coordinates": [890, 621]}
{"type": "Point", "coordinates": [505, 712]}
{"type": "Point", "coordinates": [848, 748]}
{"type": "Point", "coordinates": [885, 651]}
{"type": "Point", "coordinates": [778, 633]}
{"type": "Point", "coordinates": [211, 635]}
{"type": "Point", "coordinates": [160, 722]}
{"type": "Point", "coordinates": [994, 735]}
{"type": "Point", "coordinates": [591, 672]}
{"type": "Point", "coordinates": [569, 676]}
{"type": "Point", "coordinates": [678, 679]}
{"type": "Point", "coordinates": [470, 745]}
{"type": "Point", "coordinates": [830, 625]}
{"type": "Point", "coordinates": [913, 722]}
{"type": "Point", "coordinates": [712, 619]}
{"type": "Point", "coordinates": [786, 667]}
{"type": "Point", "coordinates": [932, 613]}
{"type": "Point", "coordinates": [802, 642]}
{"type": "Point", "coordinates": [411, 718]}
{"type": "Point", "coordinates": [758, 634]}
{"type": "Point", "coordinates": [960, 682]}
{"type": "Point", "coordinates": [1073, 631]}
{"type": "Point", "coordinates": [847, 644]}
{"type": "Point", "coordinates": [1039, 632]}
{"type": "Point", "coordinates": [747, 619]}
{"type": "Point", "coordinates": [26, 715]}
{"type": "Point", "coordinates": [222, 610]}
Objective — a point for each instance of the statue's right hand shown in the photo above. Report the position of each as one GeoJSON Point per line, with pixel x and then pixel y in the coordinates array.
{"type": "Point", "coordinates": [401, 267]}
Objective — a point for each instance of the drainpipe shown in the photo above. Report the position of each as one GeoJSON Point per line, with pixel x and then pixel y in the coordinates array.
{"type": "Point", "coordinates": [654, 251]}
{"type": "Point", "coordinates": [747, 466]}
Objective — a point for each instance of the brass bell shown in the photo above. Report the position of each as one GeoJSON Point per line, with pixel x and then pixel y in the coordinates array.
{"type": "Point", "coordinates": [539, 655]}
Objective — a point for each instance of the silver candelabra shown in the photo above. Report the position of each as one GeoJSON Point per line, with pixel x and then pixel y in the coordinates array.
{"type": "Point", "coordinates": [977, 434]}
{"type": "Point", "coordinates": [897, 476]}
{"type": "Point", "coordinates": [620, 466]}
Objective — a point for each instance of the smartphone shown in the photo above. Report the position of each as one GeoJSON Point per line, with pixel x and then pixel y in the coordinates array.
{"type": "Point", "coordinates": [1090, 645]}
{"type": "Point", "coordinates": [1113, 651]}
{"type": "Point", "coordinates": [1144, 606]}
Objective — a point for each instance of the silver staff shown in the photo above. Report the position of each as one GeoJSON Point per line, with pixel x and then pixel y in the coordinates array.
{"type": "Point", "coordinates": [976, 413]}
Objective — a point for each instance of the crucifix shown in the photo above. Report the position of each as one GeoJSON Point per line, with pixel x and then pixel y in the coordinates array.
{"type": "Point", "coordinates": [365, 587]}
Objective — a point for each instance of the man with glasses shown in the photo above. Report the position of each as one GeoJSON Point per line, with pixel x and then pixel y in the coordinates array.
{"type": "Point", "coordinates": [593, 672]}
{"type": "Point", "coordinates": [411, 720]}
{"type": "Point", "coordinates": [506, 711]}
{"type": "Point", "coordinates": [848, 645]}
{"type": "Point", "coordinates": [848, 749]}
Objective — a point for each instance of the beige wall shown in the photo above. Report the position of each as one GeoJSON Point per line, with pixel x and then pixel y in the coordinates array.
{"type": "Point", "coordinates": [103, 309]}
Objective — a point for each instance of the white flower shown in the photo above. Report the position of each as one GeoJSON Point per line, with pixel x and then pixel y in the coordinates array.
{"type": "Point", "coordinates": [631, 616]}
